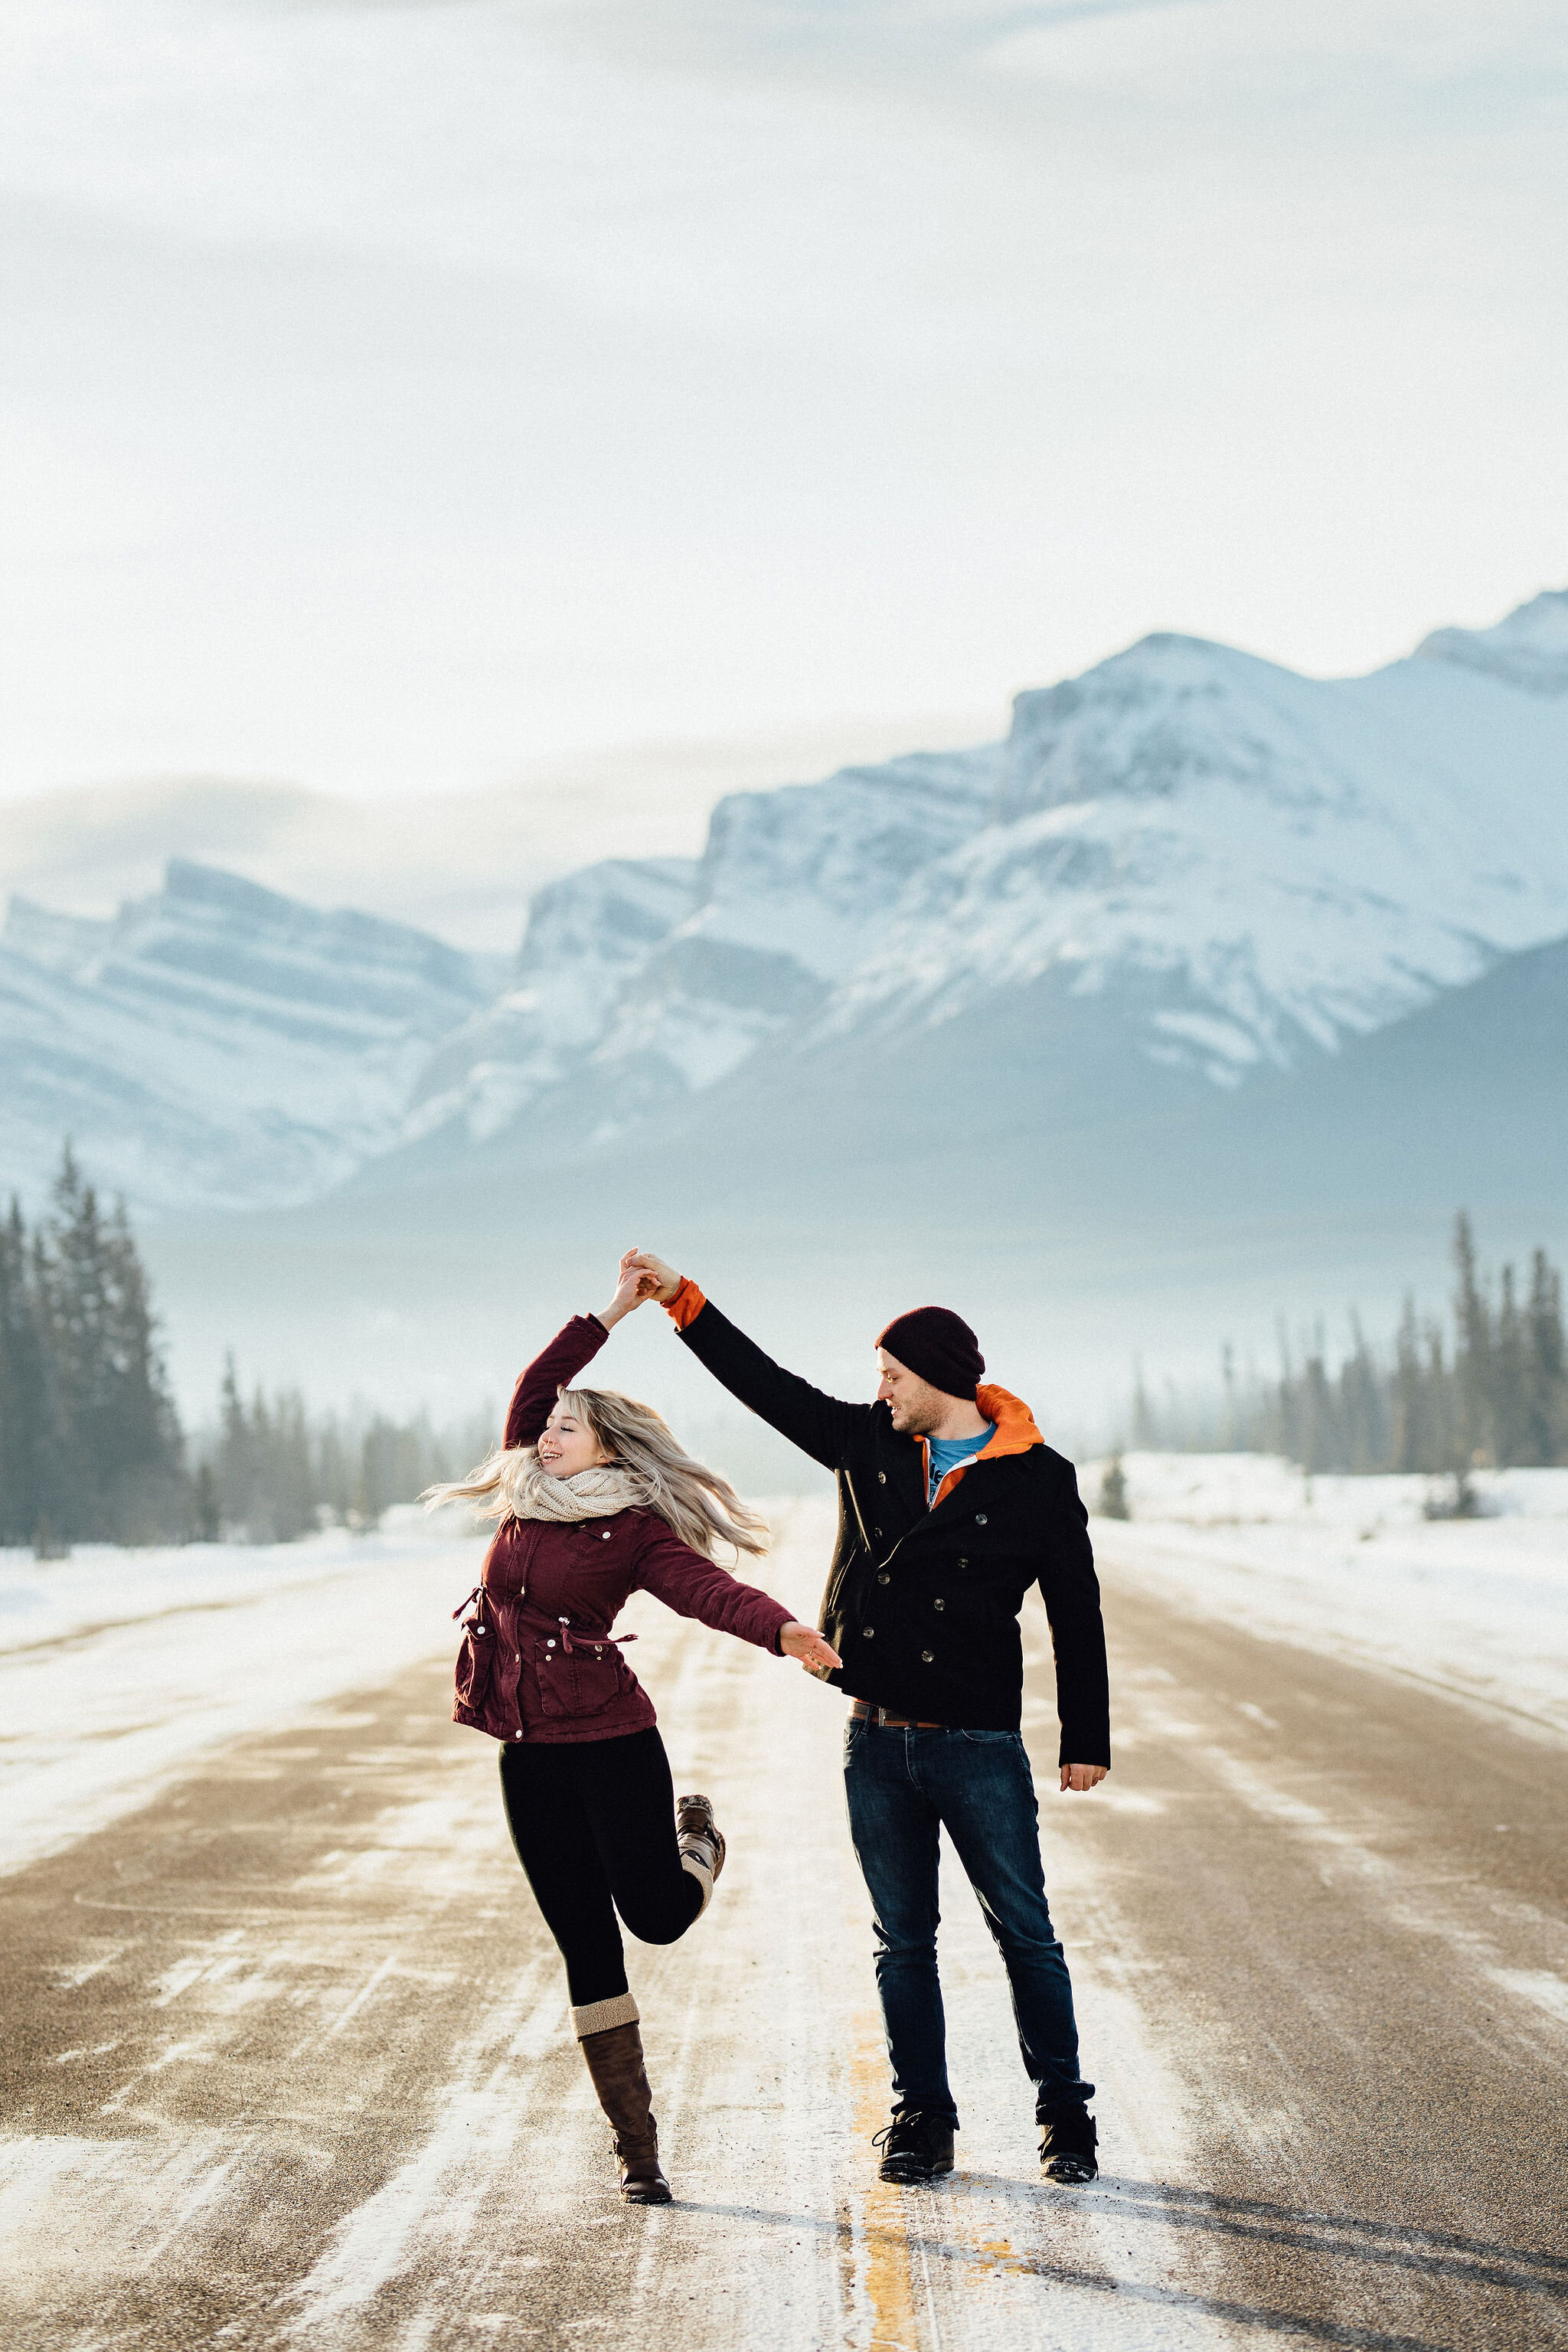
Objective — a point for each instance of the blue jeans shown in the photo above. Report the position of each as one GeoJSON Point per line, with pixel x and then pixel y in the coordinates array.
{"type": "Point", "coordinates": [901, 1787]}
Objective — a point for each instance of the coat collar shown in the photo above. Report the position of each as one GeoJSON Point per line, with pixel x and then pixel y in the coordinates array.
{"type": "Point", "coordinates": [1014, 1432]}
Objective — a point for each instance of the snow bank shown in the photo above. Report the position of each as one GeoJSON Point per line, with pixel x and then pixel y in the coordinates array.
{"type": "Point", "coordinates": [104, 1585]}
{"type": "Point", "coordinates": [1353, 1567]}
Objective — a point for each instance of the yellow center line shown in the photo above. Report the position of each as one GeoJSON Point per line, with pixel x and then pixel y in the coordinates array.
{"type": "Point", "coordinates": [881, 2273]}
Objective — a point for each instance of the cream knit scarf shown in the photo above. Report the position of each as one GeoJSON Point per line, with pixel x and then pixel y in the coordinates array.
{"type": "Point", "coordinates": [533, 1493]}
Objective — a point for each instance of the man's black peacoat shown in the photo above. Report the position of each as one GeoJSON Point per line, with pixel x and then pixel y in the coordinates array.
{"type": "Point", "coordinates": [922, 1605]}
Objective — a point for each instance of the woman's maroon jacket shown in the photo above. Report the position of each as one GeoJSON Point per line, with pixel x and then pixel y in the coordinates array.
{"type": "Point", "coordinates": [536, 1662]}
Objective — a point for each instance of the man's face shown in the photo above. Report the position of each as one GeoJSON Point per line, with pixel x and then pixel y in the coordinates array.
{"type": "Point", "coordinates": [917, 1408]}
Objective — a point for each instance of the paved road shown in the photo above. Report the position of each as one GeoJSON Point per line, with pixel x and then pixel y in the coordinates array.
{"type": "Point", "coordinates": [286, 2060]}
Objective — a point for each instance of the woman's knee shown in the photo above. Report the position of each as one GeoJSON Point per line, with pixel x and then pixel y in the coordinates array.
{"type": "Point", "coordinates": [665, 1918]}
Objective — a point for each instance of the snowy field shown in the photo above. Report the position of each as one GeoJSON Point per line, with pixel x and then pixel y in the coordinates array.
{"type": "Point", "coordinates": [117, 1667]}
{"type": "Point", "coordinates": [1353, 1568]}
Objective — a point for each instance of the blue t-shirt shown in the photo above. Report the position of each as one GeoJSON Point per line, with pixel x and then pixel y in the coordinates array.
{"type": "Point", "coordinates": [947, 1452]}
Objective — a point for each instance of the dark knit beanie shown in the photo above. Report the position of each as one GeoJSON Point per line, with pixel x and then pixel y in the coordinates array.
{"type": "Point", "coordinates": [938, 1347]}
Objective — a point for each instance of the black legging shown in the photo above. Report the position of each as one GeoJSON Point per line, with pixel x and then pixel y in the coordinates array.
{"type": "Point", "coordinates": [594, 1825]}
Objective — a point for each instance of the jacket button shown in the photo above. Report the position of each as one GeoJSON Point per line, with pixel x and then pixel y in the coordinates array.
{"type": "Point", "coordinates": [964, 1563]}
{"type": "Point", "coordinates": [868, 1632]}
{"type": "Point", "coordinates": [980, 1518]}
{"type": "Point", "coordinates": [939, 1604]}
{"type": "Point", "coordinates": [876, 1531]}
{"type": "Point", "coordinates": [925, 1657]}
{"type": "Point", "coordinates": [882, 1577]}
{"type": "Point", "coordinates": [881, 1478]}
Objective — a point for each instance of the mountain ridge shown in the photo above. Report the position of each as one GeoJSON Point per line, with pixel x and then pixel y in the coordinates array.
{"type": "Point", "coordinates": [1186, 874]}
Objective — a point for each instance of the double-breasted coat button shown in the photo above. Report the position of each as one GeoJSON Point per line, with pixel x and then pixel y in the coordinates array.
{"type": "Point", "coordinates": [925, 1657]}
{"type": "Point", "coordinates": [876, 1531]}
{"type": "Point", "coordinates": [964, 1563]}
{"type": "Point", "coordinates": [881, 1478]}
{"type": "Point", "coordinates": [980, 1518]}
{"type": "Point", "coordinates": [939, 1603]}
{"type": "Point", "coordinates": [868, 1632]}
{"type": "Point", "coordinates": [882, 1577]}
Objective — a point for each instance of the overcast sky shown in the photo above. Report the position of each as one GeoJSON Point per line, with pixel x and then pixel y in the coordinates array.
{"type": "Point", "coordinates": [396, 393]}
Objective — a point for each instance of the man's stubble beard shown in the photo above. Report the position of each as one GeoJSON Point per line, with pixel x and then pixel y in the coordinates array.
{"type": "Point", "coordinates": [909, 1423]}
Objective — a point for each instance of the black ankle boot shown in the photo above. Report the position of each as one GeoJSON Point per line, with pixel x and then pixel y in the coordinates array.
{"type": "Point", "coordinates": [915, 2146]}
{"type": "Point", "coordinates": [1068, 2143]}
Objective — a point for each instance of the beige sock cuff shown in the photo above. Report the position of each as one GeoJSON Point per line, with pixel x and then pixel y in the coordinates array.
{"type": "Point", "coordinates": [702, 1875]}
{"type": "Point", "coordinates": [602, 2016]}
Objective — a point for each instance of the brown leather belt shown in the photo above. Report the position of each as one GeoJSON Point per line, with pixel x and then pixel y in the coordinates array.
{"type": "Point", "coordinates": [862, 1711]}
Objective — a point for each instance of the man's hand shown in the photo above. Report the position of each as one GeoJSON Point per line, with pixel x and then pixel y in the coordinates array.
{"type": "Point", "coordinates": [1081, 1778]}
{"type": "Point", "coordinates": [666, 1282]}
{"type": "Point", "coordinates": [804, 1642]}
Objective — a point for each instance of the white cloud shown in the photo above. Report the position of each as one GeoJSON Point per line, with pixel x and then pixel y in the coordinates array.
{"type": "Point", "coordinates": [404, 391]}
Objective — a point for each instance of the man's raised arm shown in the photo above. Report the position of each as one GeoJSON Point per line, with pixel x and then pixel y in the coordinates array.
{"type": "Point", "coordinates": [819, 1425]}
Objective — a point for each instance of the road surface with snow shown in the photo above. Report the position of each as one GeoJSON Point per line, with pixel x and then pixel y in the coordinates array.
{"type": "Point", "coordinates": [287, 2059]}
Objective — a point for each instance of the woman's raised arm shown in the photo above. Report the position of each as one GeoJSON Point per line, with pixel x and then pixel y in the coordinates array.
{"type": "Point", "coordinates": [557, 1366]}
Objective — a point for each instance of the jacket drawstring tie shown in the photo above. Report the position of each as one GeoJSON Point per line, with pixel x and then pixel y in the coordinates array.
{"type": "Point", "coordinates": [597, 1641]}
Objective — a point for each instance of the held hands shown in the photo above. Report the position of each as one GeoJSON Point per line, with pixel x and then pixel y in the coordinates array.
{"type": "Point", "coordinates": [804, 1642]}
{"type": "Point", "coordinates": [666, 1282]}
{"type": "Point", "coordinates": [1080, 1778]}
{"type": "Point", "coordinates": [636, 1283]}
{"type": "Point", "coordinates": [641, 1276]}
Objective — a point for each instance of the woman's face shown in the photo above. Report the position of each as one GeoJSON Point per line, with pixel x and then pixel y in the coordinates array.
{"type": "Point", "coordinates": [567, 1444]}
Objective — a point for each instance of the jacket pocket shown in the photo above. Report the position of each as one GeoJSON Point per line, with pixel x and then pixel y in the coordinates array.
{"type": "Point", "coordinates": [476, 1663]}
{"type": "Point", "coordinates": [581, 1681]}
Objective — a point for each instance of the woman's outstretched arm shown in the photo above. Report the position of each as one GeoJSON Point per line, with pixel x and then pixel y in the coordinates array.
{"type": "Point", "coordinates": [694, 1587]}
{"type": "Point", "coordinates": [557, 1366]}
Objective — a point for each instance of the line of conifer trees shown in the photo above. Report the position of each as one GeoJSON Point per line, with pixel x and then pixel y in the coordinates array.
{"type": "Point", "coordinates": [1488, 1391]}
{"type": "Point", "coordinates": [271, 1473]}
{"type": "Point", "coordinates": [92, 1450]}
{"type": "Point", "coordinates": [90, 1445]}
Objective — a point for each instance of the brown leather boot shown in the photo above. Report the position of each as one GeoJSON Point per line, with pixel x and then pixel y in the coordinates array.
{"type": "Point", "coordinates": [615, 2066]}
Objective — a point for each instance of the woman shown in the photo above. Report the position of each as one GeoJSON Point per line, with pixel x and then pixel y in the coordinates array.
{"type": "Point", "coordinates": [596, 1500]}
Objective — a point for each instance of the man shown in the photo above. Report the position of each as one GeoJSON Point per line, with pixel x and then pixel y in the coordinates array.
{"type": "Point", "coordinates": [951, 1504]}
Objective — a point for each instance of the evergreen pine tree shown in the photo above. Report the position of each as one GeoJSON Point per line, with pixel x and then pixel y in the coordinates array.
{"type": "Point", "coordinates": [1546, 1365]}
{"type": "Point", "coordinates": [1406, 1451]}
{"type": "Point", "coordinates": [89, 1440]}
{"type": "Point", "coordinates": [146, 1490]}
{"type": "Point", "coordinates": [290, 1484]}
{"type": "Point", "coordinates": [235, 1468]}
{"type": "Point", "coordinates": [1511, 1438]}
{"type": "Point", "coordinates": [32, 1455]}
{"type": "Point", "coordinates": [1472, 1353]}
{"type": "Point", "coordinates": [205, 1511]}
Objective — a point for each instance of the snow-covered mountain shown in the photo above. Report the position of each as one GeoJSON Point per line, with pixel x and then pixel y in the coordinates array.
{"type": "Point", "coordinates": [1289, 861]}
{"type": "Point", "coordinates": [1186, 872]}
{"type": "Point", "coordinates": [651, 980]}
{"type": "Point", "coordinates": [215, 1043]}
{"type": "Point", "coordinates": [1188, 859]}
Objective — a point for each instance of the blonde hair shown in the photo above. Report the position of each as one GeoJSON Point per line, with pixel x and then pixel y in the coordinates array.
{"type": "Point", "coordinates": [702, 1507]}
